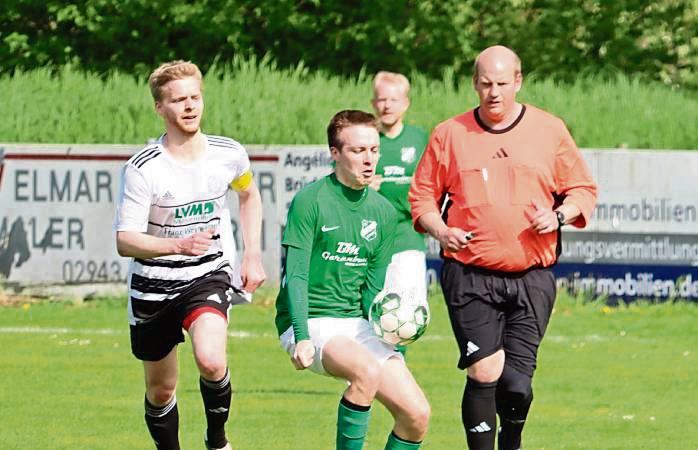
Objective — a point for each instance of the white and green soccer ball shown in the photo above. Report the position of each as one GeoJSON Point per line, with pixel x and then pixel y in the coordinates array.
{"type": "Point", "coordinates": [397, 319]}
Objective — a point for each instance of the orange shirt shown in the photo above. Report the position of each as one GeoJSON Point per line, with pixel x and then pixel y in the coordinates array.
{"type": "Point", "coordinates": [492, 178]}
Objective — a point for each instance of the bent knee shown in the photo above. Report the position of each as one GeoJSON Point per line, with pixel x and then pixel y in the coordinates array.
{"type": "Point", "coordinates": [515, 385]}
{"type": "Point", "coordinates": [211, 367]}
{"type": "Point", "coordinates": [420, 417]}
{"type": "Point", "coordinates": [484, 374]}
{"type": "Point", "coordinates": [487, 370]}
{"type": "Point", "coordinates": [518, 393]}
{"type": "Point", "coordinates": [160, 394]}
{"type": "Point", "coordinates": [413, 421]}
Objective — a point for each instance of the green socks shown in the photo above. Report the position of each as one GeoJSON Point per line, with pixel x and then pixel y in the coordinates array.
{"type": "Point", "coordinates": [352, 425]}
{"type": "Point", "coordinates": [395, 443]}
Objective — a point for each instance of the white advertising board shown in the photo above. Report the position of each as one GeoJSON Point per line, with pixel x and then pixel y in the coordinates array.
{"type": "Point", "coordinates": [298, 167]}
{"type": "Point", "coordinates": [642, 241]}
{"type": "Point", "coordinates": [57, 208]}
{"type": "Point", "coordinates": [57, 211]}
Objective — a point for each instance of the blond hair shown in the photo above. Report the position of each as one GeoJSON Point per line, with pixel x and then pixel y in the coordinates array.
{"type": "Point", "coordinates": [393, 78]}
{"type": "Point", "coordinates": [173, 70]}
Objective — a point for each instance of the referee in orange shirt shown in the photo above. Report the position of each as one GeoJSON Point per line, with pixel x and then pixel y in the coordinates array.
{"type": "Point", "coordinates": [513, 176]}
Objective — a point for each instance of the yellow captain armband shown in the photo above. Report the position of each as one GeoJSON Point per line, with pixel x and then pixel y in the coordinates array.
{"type": "Point", "coordinates": [243, 182]}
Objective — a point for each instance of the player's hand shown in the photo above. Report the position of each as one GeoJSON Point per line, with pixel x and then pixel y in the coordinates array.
{"type": "Point", "coordinates": [303, 354]}
{"type": "Point", "coordinates": [544, 219]}
{"type": "Point", "coordinates": [252, 272]}
{"type": "Point", "coordinates": [376, 182]}
{"type": "Point", "coordinates": [454, 239]}
{"type": "Point", "coordinates": [195, 245]}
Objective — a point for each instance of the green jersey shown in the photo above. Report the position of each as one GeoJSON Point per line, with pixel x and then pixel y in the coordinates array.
{"type": "Point", "coordinates": [349, 236]}
{"type": "Point", "coordinates": [399, 158]}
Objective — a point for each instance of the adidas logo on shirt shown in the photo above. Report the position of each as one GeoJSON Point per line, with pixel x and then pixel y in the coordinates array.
{"type": "Point", "coordinates": [471, 348]}
{"type": "Point", "coordinates": [482, 428]}
{"type": "Point", "coordinates": [501, 153]}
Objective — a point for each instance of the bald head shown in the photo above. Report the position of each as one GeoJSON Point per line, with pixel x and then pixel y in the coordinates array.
{"type": "Point", "coordinates": [496, 80]}
{"type": "Point", "coordinates": [497, 57]}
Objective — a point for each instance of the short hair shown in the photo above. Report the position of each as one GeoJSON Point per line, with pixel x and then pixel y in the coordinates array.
{"type": "Point", "coordinates": [397, 79]}
{"type": "Point", "coordinates": [345, 119]}
{"type": "Point", "coordinates": [173, 70]}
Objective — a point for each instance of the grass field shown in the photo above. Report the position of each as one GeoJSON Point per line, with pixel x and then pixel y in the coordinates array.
{"type": "Point", "coordinates": [608, 378]}
{"type": "Point", "coordinates": [257, 103]}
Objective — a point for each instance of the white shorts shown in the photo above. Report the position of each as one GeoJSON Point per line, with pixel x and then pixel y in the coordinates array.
{"type": "Point", "coordinates": [323, 329]}
{"type": "Point", "coordinates": [407, 271]}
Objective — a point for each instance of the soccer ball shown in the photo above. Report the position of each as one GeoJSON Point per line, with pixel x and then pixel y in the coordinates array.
{"type": "Point", "coordinates": [397, 319]}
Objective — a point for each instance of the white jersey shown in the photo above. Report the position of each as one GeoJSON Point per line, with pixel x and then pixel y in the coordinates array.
{"type": "Point", "coordinates": [163, 197]}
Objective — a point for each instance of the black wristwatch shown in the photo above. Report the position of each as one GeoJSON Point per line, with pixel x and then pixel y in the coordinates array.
{"type": "Point", "coordinates": [560, 219]}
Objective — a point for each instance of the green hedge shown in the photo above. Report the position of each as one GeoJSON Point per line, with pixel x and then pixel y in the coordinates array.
{"type": "Point", "coordinates": [258, 103]}
{"type": "Point", "coordinates": [555, 38]}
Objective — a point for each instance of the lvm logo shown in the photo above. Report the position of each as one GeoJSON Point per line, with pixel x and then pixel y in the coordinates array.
{"type": "Point", "coordinates": [194, 209]}
{"type": "Point", "coordinates": [347, 248]}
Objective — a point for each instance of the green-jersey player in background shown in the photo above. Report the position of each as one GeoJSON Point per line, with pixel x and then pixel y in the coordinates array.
{"type": "Point", "coordinates": [339, 241]}
{"type": "Point", "coordinates": [401, 146]}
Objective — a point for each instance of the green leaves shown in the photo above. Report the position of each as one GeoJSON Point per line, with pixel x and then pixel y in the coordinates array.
{"type": "Point", "coordinates": [555, 38]}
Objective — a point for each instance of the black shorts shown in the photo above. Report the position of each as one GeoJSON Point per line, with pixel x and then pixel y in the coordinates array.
{"type": "Point", "coordinates": [492, 310]}
{"type": "Point", "coordinates": [159, 324]}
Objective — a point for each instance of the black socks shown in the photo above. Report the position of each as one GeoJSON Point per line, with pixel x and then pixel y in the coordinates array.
{"type": "Point", "coordinates": [217, 396]}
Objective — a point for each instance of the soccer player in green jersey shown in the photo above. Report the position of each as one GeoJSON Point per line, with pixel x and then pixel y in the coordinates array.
{"type": "Point", "coordinates": [401, 147]}
{"type": "Point", "coordinates": [338, 240]}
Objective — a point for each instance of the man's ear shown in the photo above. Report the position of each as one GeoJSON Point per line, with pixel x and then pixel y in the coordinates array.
{"type": "Point", "coordinates": [518, 81]}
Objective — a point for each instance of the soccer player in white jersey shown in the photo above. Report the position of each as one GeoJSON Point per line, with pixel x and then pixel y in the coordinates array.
{"type": "Point", "coordinates": [172, 218]}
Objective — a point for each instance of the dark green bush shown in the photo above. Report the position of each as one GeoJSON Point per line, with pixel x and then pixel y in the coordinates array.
{"type": "Point", "coordinates": [555, 38]}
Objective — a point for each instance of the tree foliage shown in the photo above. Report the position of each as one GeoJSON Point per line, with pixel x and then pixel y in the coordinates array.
{"type": "Point", "coordinates": [555, 38]}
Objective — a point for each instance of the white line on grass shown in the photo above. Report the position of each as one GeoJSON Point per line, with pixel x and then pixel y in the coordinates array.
{"type": "Point", "coordinates": [99, 331]}
{"type": "Point", "coordinates": [40, 330]}
{"type": "Point", "coordinates": [592, 338]}
{"type": "Point", "coordinates": [251, 335]}
{"type": "Point", "coordinates": [112, 331]}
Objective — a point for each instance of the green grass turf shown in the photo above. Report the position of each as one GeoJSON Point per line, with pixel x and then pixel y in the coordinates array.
{"type": "Point", "coordinates": [608, 378]}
